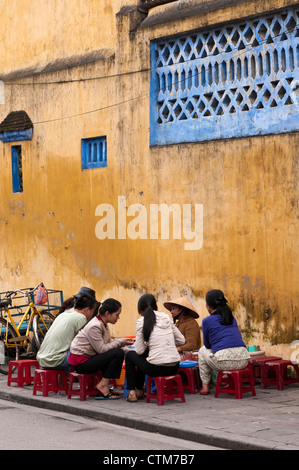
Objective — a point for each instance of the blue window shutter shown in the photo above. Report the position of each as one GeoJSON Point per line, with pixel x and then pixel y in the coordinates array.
{"type": "Point", "coordinates": [16, 165]}
{"type": "Point", "coordinates": [94, 152]}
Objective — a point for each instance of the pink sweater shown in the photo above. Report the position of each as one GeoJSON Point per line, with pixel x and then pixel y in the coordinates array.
{"type": "Point", "coordinates": [93, 339]}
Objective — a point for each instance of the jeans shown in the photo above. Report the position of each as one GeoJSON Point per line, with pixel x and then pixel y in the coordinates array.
{"type": "Point", "coordinates": [64, 365]}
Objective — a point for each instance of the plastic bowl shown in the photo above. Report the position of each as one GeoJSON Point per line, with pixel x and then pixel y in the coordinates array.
{"type": "Point", "coordinates": [188, 363]}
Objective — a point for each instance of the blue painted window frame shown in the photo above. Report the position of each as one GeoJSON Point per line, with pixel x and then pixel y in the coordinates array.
{"type": "Point", "coordinates": [16, 166]}
{"type": "Point", "coordinates": [16, 136]}
{"type": "Point", "coordinates": [94, 152]}
{"type": "Point", "coordinates": [234, 80]}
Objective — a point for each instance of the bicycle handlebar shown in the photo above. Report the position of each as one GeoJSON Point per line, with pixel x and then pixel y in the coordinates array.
{"type": "Point", "coordinates": [14, 292]}
{"type": "Point", "coordinates": [9, 294]}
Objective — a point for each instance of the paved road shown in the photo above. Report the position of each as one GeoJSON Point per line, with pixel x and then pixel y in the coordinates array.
{"type": "Point", "coordinates": [31, 428]}
{"type": "Point", "coordinates": [267, 421]}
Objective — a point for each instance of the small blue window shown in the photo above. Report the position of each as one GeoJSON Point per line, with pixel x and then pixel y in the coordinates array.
{"type": "Point", "coordinates": [16, 166]}
{"type": "Point", "coordinates": [94, 152]}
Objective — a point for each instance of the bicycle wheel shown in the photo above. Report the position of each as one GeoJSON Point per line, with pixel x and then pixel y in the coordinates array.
{"type": "Point", "coordinates": [9, 352]}
{"type": "Point", "coordinates": [41, 324]}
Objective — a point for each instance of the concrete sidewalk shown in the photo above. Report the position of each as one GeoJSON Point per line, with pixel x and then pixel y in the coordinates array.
{"type": "Point", "coordinates": [269, 421]}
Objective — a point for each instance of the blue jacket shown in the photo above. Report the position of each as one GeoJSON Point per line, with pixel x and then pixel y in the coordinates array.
{"type": "Point", "coordinates": [217, 336]}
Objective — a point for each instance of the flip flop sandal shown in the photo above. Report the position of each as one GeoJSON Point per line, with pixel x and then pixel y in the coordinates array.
{"type": "Point", "coordinates": [110, 396]}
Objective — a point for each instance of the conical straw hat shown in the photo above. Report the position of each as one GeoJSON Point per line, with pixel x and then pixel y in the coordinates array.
{"type": "Point", "coordinates": [182, 302]}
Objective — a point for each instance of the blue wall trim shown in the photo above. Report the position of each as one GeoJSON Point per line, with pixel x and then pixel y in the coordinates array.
{"type": "Point", "coordinates": [237, 80]}
{"type": "Point", "coordinates": [16, 136]}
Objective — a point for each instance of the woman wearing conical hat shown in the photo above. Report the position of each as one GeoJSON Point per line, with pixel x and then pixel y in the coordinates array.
{"type": "Point", "coordinates": [184, 317]}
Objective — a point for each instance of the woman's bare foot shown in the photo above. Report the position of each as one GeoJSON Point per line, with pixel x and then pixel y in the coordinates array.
{"type": "Point", "coordinates": [139, 393]}
{"type": "Point", "coordinates": [132, 397]}
{"type": "Point", "coordinates": [205, 389]}
{"type": "Point", "coordinates": [103, 386]}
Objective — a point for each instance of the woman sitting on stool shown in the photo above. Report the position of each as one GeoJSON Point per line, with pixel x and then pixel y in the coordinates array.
{"type": "Point", "coordinates": [92, 350]}
{"type": "Point", "coordinates": [155, 352]}
{"type": "Point", "coordinates": [184, 318]}
{"type": "Point", "coordinates": [223, 347]}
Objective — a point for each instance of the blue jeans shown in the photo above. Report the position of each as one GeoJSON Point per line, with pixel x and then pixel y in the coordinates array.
{"type": "Point", "coordinates": [65, 365]}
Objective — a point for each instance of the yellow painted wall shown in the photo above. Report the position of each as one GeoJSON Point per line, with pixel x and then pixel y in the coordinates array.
{"type": "Point", "coordinates": [248, 187]}
{"type": "Point", "coordinates": [40, 31]}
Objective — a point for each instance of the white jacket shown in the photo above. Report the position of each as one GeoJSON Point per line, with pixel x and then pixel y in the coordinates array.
{"type": "Point", "coordinates": [163, 340]}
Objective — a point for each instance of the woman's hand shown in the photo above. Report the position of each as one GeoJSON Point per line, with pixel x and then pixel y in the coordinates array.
{"type": "Point", "coordinates": [129, 341]}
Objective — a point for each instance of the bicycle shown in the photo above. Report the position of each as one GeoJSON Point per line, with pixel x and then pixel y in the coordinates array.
{"type": "Point", "coordinates": [27, 335]}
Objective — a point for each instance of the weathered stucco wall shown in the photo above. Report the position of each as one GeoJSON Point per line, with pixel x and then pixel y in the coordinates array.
{"type": "Point", "coordinates": [248, 187]}
{"type": "Point", "coordinates": [36, 33]}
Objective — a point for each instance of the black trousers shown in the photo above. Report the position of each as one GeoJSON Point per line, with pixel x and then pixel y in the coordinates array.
{"type": "Point", "coordinates": [137, 367]}
{"type": "Point", "coordinates": [109, 363]}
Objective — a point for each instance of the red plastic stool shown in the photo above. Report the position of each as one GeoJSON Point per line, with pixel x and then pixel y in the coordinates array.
{"type": "Point", "coordinates": [280, 378]}
{"type": "Point", "coordinates": [190, 378]}
{"type": "Point", "coordinates": [87, 384]}
{"type": "Point", "coordinates": [46, 380]}
{"type": "Point", "coordinates": [166, 388]}
{"type": "Point", "coordinates": [257, 365]}
{"type": "Point", "coordinates": [23, 372]}
{"type": "Point", "coordinates": [235, 382]}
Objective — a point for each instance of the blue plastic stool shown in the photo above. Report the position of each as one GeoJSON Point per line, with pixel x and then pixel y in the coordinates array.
{"type": "Point", "coordinates": [126, 391]}
{"type": "Point", "coordinates": [153, 387]}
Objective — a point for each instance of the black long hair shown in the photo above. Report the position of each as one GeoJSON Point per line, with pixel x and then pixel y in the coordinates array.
{"type": "Point", "coordinates": [78, 303]}
{"type": "Point", "coordinates": [215, 299]}
{"type": "Point", "coordinates": [146, 306]}
{"type": "Point", "coordinates": [110, 306]}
